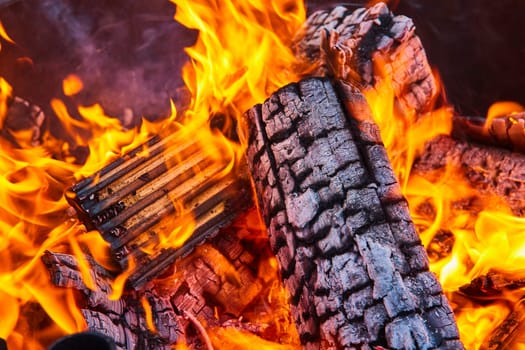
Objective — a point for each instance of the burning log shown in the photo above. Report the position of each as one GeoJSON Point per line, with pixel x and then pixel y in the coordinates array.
{"type": "Point", "coordinates": [491, 285]}
{"type": "Point", "coordinates": [503, 336]}
{"type": "Point", "coordinates": [347, 248]}
{"type": "Point", "coordinates": [507, 131]}
{"type": "Point", "coordinates": [213, 286]}
{"type": "Point", "coordinates": [137, 199]}
{"type": "Point", "coordinates": [346, 44]}
{"type": "Point", "coordinates": [491, 170]}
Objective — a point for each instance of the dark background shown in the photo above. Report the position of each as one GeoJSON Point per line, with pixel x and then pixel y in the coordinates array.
{"type": "Point", "coordinates": [129, 52]}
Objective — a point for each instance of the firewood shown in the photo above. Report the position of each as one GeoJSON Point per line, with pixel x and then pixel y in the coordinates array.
{"type": "Point", "coordinates": [151, 190]}
{"type": "Point", "coordinates": [505, 131]}
{"type": "Point", "coordinates": [502, 337]}
{"type": "Point", "coordinates": [215, 285]}
{"type": "Point", "coordinates": [348, 251]}
{"type": "Point", "coordinates": [491, 170]}
{"type": "Point", "coordinates": [122, 320]}
{"type": "Point", "coordinates": [346, 45]}
{"type": "Point", "coordinates": [492, 285]}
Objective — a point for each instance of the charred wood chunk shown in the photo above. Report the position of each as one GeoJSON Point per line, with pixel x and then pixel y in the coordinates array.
{"type": "Point", "coordinates": [505, 131]}
{"type": "Point", "coordinates": [165, 185]}
{"type": "Point", "coordinates": [23, 123]}
{"type": "Point", "coordinates": [217, 285]}
{"type": "Point", "coordinates": [348, 251]}
{"type": "Point", "coordinates": [490, 170]}
{"type": "Point", "coordinates": [505, 334]}
{"type": "Point", "coordinates": [346, 44]}
{"type": "Point", "coordinates": [122, 320]}
{"type": "Point", "coordinates": [493, 285]}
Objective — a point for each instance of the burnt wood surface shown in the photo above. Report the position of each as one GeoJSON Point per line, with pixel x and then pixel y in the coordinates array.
{"type": "Point", "coordinates": [217, 285]}
{"type": "Point", "coordinates": [511, 328]}
{"type": "Point", "coordinates": [23, 123]}
{"type": "Point", "coordinates": [348, 44]}
{"type": "Point", "coordinates": [505, 131]}
{"type": "Point", "coordinates": [348, 251]}
{"type": "Point", "coordinates": [157, 188]}
{"type": "Point", "coordinates": [492, 170]}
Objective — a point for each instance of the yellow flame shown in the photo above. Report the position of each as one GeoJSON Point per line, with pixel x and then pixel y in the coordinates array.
{"type": "Point", "coordinates": [4, 35]}
{"type": "Point", "coordinates": [502, 108]}
{"type": "Point", "coordinates": [5, 94]}
{"type": "Point", "coordinates": [148, 314]}
{"type": "Point", "coordinates": [486, 234]}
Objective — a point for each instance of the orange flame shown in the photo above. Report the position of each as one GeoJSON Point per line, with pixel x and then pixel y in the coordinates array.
{"type": "Point", "coordinates": [72, 85]}
{"type": "Point", "coordinates": [502, 108]}
{"type": "Point", "coordinates": [240, 57]}
{"type": "Point", "coordinates": [34, 217]}
{"type": "Point", "coordinates": [4, 35]}
{"type": "Point", "coordinates": [486, 235]}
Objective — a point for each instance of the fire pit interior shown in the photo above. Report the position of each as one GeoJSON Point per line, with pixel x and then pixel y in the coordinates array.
{"type": "Point", "coordinates": [261, 174]}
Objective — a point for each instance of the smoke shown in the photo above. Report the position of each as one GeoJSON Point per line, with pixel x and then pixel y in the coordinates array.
{"type": "Point", "coordinates": [129, 54]}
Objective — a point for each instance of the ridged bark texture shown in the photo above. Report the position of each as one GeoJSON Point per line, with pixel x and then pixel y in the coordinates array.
{"type": "Point", "coordinates": [349, 255]}
{"type": "Point", "coordinates": [348, 44]}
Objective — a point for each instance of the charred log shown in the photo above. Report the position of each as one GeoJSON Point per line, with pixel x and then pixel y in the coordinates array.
{"type": "Point", "coordinates": [214, 286]}
{"type": "Point", "coordinates": [347, 248]}
{"type": "Point", "coordinates": [491, 170]}
{"type": "Point", "coordinates": [150, 192]}
{"type": "Point", "coordinates": [348, 45]}
{"type": "Point", "coordinates": [122, 320]}
{"type": "Point", "coordinates": [507, 131]}
{"type": "Point", "coordinates": [492, 285]}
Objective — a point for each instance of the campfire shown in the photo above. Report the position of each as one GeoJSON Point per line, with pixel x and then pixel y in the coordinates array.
{"type": "Point", "coordinates": [310, 187]}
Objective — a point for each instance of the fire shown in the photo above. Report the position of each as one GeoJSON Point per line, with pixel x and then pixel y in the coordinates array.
{"type": "Point", "coordinates": [34, 216]}
{"type": "Point", "coordinates": [242, 53]}
{"type": "Point", "coordinates": [502, 108]}
{"type": "Point", "coordinates": [240, 57]}
{"type": "Point", "coordinates": [485, 236]}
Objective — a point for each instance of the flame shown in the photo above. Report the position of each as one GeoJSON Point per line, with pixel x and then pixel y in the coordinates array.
{"type": "Point", "coordinates": [235, 339]}
{"type": "Point", "coordinates": [72, 85]}
{"type": "Point", "coordinates": [240, 57]}
{"type": "Point", "coordinates": [4, 35]}
{"type": "Point", "coordinates": [486, 236]}
{"type": "Point", "coordinates": [5, 94]}
{"type": "Point", "coordinates": [502, 108]}
{"type": "Point", "coordinates": [34, 217]}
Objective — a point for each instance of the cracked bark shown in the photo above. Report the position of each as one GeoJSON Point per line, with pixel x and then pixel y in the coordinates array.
{"type": "Point", "coordinates": [347, 248]}
{"type": "Point", "coordinates": [348, 44]}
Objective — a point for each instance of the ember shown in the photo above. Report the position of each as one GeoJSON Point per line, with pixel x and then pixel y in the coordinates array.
{"type": "Point", "coordinates": [355, 270]}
